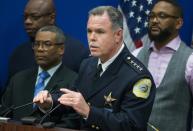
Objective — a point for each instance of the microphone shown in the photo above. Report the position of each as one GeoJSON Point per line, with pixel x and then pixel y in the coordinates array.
{"type": "Point", "coordinates": [152, 126]}
{"type": "Point", "coordinates": [48, 124]}
{"type": "Point", "coordinates": [6, 112]}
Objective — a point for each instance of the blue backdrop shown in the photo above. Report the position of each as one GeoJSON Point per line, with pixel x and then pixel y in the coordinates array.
{"type": "Point", "coordinates": [187, 29]}
{"type": "Point", "coordinates": [71, 17]}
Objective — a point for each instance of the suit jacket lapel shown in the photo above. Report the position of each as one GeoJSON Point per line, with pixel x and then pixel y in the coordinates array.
{"type": "Point", "coordinates": [30, 86]}
{"type": "Point", "coordinates": [57, 77]}
{"type": "Point", "coordinates": [88, 75]}
{"type": "Point", "coordinates": [92, 67]}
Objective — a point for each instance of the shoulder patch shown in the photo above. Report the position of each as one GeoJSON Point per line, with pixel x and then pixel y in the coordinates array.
{"type": "Point", "coordinates": [142, 88]}
{"type": "Point", "coordinates": [134, 64]}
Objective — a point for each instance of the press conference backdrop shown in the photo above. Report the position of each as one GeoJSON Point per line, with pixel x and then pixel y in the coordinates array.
{"type": "Point", "coordinates": [71, 17]}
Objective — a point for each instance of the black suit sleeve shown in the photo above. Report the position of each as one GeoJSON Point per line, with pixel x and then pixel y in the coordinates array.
{"type": "Point", "coordinates": [6, 98]}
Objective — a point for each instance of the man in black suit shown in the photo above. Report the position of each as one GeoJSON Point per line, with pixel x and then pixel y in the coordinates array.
{"type": "Point", "coordinates": [39, 13]}
{"type": "Point", "coordinates": [114, 91]}
{"type": "Point", "coordinates": [24, 86]}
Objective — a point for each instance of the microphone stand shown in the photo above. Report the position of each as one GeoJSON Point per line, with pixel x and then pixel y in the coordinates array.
{"type": "Point", "coordinates": [12, 108]}
{"type": "Point", "coordinates": [48, 113]}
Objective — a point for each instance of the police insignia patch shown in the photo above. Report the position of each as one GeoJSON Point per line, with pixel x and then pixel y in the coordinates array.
{"type": "Point", "coordinates": [142, 88]}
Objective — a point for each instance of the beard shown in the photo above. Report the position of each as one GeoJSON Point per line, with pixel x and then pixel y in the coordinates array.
{"type": "Point", "coordinates": [164, 35]}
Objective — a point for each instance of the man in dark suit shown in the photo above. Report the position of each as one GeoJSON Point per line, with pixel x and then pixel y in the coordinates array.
{"type": "Point", "coordinates": [114, 91]}
{"type": "Point", "coordinates": [39, 13]}
{"type": "Point", "coordinates": [24, 86]}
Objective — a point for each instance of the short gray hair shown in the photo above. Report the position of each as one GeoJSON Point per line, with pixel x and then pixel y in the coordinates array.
{"type": "Point", "coordinates": [114, 14]}
{"type": "Point", "coordinates": [60, 37]}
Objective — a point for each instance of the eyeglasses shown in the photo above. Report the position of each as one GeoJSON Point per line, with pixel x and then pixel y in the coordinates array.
{"type": "Point", "coordinates": [161, 16]}
{"type": "Point", "coordinates": [44, 44]}
{"type": "Point", "coordinates": [34, 16]}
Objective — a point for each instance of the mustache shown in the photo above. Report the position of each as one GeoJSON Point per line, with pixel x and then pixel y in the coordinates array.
{"type": "Point", "coordinates": [154, 25]}
{"type": "Point", "coordinates": [93, 44]}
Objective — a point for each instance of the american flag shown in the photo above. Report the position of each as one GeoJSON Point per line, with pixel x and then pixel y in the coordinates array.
{"type": "Point", "coordinates": [136, 14]}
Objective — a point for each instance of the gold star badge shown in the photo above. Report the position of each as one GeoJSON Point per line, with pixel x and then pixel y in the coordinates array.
{"type": "Point", "coordinates": [109, 99]}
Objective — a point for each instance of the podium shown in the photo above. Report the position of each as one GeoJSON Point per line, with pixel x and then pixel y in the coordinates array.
{"type": "Point", "coordinates": [17, 126]}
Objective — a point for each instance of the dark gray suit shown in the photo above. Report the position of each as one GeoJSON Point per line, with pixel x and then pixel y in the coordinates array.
{"type": "Point", "coordinates": [21, 88]}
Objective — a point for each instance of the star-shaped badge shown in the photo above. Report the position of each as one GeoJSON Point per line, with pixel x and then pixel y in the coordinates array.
{"type": "Point", "coordinates": [109, 99]}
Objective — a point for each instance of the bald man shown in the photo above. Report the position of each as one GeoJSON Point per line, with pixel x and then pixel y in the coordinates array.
{"type": "Point", "coordinates": [39, 13]}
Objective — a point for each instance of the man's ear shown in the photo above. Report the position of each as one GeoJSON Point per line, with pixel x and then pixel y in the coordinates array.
{"type": "Point", "coordinates": [52, 18]}
{"type": "Point", "coordinates": [118, 35]}
{"type": "Point", "coordinates": [179, 23]}
{"type": "Point", "coordinates": [61, 49]}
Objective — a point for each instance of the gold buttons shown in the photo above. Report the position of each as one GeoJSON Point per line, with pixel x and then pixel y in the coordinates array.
{"type": "Point", "coordinates": [93, 126]}
{"type": "Point", "coordinates": [97, 128]}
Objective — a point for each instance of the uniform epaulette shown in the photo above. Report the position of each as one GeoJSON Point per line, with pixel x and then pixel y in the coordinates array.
{"type": "Point", "coordinates": [134, 64]}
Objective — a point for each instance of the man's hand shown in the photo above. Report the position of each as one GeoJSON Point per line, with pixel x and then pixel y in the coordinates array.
{"type": "Point", "coordinates": [75, 100]}
{"type": "Point", "coordinates": [44, 100]}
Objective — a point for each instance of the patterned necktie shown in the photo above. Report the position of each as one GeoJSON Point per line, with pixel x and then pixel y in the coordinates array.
{"type": "Point", "coordinates": [40, 84]}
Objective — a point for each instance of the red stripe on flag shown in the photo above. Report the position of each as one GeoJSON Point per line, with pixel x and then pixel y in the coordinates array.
{"type": "Point", "coordinates": [138, 43]}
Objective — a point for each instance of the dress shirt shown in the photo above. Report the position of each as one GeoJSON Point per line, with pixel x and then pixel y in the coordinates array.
{"type": "Point", "coordinates": [108, 62]}
{"type": "Point", "coordinates": [159, 60]}
{"type": "Point", "coordinates": [51, 72]}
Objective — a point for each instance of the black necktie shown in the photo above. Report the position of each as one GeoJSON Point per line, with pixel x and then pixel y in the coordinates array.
{"type": "Point", "coordinates": [98, 71]}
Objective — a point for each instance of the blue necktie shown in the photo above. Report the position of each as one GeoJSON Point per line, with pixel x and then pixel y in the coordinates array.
{"type": "Point", "coordinates": [40, 84]}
